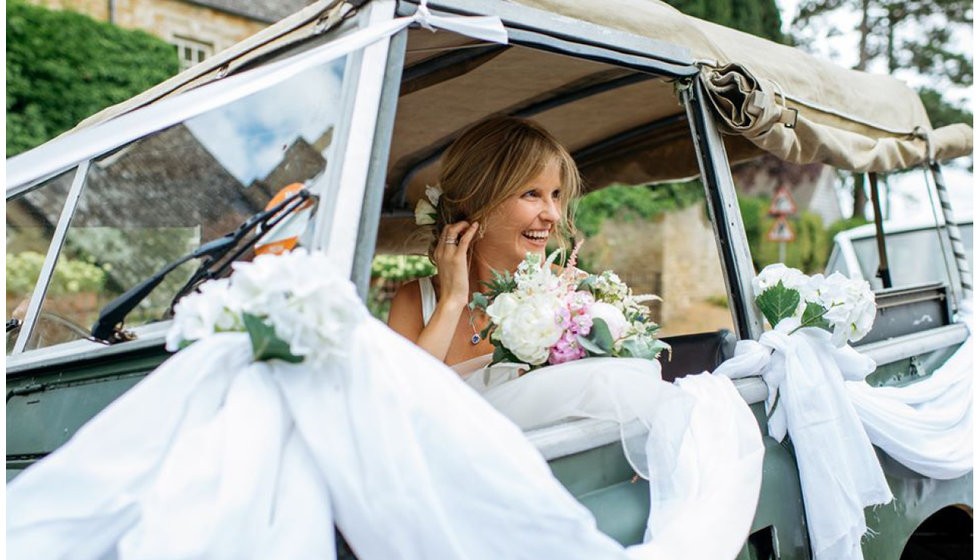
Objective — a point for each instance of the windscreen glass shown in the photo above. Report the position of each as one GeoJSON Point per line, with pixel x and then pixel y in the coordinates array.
{"type": "Point", "coordinates": [31, 221]}
{"type": "Point", "coordinates": [161, 197]}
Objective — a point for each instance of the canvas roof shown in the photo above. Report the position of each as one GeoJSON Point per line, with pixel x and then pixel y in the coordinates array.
{"type": "Point", "coordinates": [849, 119]}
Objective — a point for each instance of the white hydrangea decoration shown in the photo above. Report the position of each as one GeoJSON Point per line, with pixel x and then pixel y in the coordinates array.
{"type": "Point", "coordinates": [849, 303]}
{"type": "Point", "coordinates": [299, 294]}
{"type": "Point", "coordinates": [207, 311]}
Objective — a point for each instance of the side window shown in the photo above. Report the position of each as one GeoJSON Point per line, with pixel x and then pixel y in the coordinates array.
{"type": "Point", "coordinates": [31, 222]}
{"type": "Point", "coordinates": [158, 198]}
{"type": "Point", "coordinates": [659, 240]}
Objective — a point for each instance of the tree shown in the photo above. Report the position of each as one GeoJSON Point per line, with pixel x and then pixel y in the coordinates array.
{"type": "Point", "coordinates": [63, 67]}
{"type": "Point", "coordinates": [915, 37]}
{"type": "Point", "coordinates": [758, 17]}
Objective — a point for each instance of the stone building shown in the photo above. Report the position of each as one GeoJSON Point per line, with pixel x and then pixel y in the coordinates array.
{"type": "Point", "coordinates": [198, 28]}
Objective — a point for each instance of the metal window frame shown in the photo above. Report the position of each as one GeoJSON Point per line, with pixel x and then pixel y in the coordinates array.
{"type": "Point", "coordinates": [367, 231]}
{"type": "Point", "coordinates": [51, 258]}
{"type": "Point", "coordinates": [716, 175]}
{"type": "Point", "coordinates": [336, 232]}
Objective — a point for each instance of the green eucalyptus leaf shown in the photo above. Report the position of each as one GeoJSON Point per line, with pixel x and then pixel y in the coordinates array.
{"type": "Point", "coordinates": [601, 335]}
{"type": "Point", "coordinates": [266, 345]}
{"type": "Point", "coordinates": [590, 347]}
{"type": "Point", "coordinates": [480, 301]}
{"type": "Point", "coordinates": [647, 349]}
{"type": "Point", "coordinates": [778, 302]}
{"type": "Point", "coordinates": [501, 354]}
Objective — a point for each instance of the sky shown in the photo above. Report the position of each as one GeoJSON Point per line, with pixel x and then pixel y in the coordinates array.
{"type": "Point", "coordinates": [248, 137]}
{"type": "Point", "coordinates": [908, 199]}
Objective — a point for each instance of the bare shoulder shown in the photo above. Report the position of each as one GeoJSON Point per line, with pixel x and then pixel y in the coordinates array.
{"type": "Point", "coordinates": [405, 316]}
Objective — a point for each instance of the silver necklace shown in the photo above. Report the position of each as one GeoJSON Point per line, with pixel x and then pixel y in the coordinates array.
{"type": "Point", "coordinates": [476, 338]}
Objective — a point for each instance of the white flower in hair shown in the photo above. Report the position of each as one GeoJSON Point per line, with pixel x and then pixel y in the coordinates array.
{"type": "Point", "coordinates": [425, 210]}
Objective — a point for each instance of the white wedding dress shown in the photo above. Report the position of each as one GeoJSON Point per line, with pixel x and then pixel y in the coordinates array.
{"type": "Point", "coordinates": [476, 372]}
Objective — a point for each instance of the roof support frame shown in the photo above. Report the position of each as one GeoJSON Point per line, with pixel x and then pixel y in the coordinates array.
{"type": "Point", "coordinates": [719, 188]}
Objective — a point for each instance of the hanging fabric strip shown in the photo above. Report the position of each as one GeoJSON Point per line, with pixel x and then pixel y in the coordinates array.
{"type": "Point", "coordinates": [839, 472]}
{"type": "Point", "coordinates": [927, 425]}
{"type": "Point", "coordinates": [66, 151]}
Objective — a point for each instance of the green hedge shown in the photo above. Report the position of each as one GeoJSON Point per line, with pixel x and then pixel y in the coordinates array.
{"type": "Point", "coordinates": [811, 249]}
{"type": "Point", "coordinates": [63, 67]}
{"type": "Point", "coordinates": [625, 202]}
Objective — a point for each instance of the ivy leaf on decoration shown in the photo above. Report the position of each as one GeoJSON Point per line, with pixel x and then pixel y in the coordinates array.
{"type": "Point", "coordinates": [778, 302]}
{"type": "Point", "coordinates": [265, 344]}
{"type": "Point", "coordinates": [813, 316]}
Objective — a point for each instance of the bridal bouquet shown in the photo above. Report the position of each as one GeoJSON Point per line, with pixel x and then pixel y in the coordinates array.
{"type": "Point", "coordinates": [538, 316]}
{"type": "Point", "coordinates": [293, 306]}
{"type": "Point", "coordinates": [845, 307]}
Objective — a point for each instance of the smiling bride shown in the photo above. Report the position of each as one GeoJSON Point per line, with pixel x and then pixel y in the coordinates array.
{"type": "Point", "coordinates": [504, 191]}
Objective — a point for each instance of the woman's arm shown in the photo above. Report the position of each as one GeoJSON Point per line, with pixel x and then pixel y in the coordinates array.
{"type": "Point", "coordinates": [405, 317]}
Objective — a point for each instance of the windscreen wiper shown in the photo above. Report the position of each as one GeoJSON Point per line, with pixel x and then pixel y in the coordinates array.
{"type": "Point", "coordinates": [217, 256]}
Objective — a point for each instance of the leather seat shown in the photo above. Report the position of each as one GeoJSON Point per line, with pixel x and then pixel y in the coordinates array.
{"type": "Point", "coordinates": [694, 353]}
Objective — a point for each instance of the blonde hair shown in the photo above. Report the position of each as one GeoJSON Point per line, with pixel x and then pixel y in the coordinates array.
{"type": "Point", "coordinates": [493, 160]}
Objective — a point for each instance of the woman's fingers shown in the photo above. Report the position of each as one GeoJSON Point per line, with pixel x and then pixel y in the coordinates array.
{"type": "Point", "coordinates": [468, 234]}
{"type": "Point", "coordinates": [450, 234]}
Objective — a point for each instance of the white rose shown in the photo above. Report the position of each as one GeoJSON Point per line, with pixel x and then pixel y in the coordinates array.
{"type": "Point", "coordinates": [613, 317]}
{"type": "Point", "coordinates": [424, 212]}
{"type": "Point", "coordinates": [433, 194]}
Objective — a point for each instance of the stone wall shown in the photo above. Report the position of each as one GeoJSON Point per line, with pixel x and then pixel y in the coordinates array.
{"type": "Point", "coordinates": [167, 19]}
{"type": "Point", "coordinates": [674, 256]}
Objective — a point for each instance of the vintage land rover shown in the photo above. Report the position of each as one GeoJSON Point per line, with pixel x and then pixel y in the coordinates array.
{"type": "Point", "coordinates": [358, 105]}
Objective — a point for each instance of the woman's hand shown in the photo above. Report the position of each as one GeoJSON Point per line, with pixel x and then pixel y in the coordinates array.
{"type": "Point", "coordinates": [450, 257]}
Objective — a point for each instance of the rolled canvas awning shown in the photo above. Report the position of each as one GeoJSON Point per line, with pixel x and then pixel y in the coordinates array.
{"type": "Point", "coordinates": [795, 106]}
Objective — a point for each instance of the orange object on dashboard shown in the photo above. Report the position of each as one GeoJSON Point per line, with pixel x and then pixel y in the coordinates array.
{"type": "Point", "coordinates": [285, 235]}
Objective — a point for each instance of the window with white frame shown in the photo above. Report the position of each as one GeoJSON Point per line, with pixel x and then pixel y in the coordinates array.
{"type": "Point", "coordinates": [191, 51]}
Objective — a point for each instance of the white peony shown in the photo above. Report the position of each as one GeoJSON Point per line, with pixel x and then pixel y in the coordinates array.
{"type": "Point", "coordinates": [530, 327]}
{"type": "Point", "coordinates": [212, 309]}
{"type": "Point", "coordinates": [503, 305]}
{"type": "Point", "coordinates": [613, 317]}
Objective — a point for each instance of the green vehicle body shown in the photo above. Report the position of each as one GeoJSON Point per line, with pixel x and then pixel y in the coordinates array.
{"type": "Point", "coordinates": [49, 399]}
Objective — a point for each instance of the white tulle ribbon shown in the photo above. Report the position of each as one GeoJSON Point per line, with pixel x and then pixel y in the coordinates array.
{"type": "Point", "coordinates": [927, 425]}
{"type": "Point", "coordinates": [839, 472]}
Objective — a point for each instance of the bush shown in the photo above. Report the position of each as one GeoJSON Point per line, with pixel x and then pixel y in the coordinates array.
{"type": "Point", "coordinates": [63, 67]}
{"type": "Point", "coordinates": [625, 202]}
{"type": "Point", "coordinates": [70, 276]}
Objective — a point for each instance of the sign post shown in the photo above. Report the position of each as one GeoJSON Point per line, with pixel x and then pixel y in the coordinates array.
{"type": "Point", "coordinates": [781, 231]}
